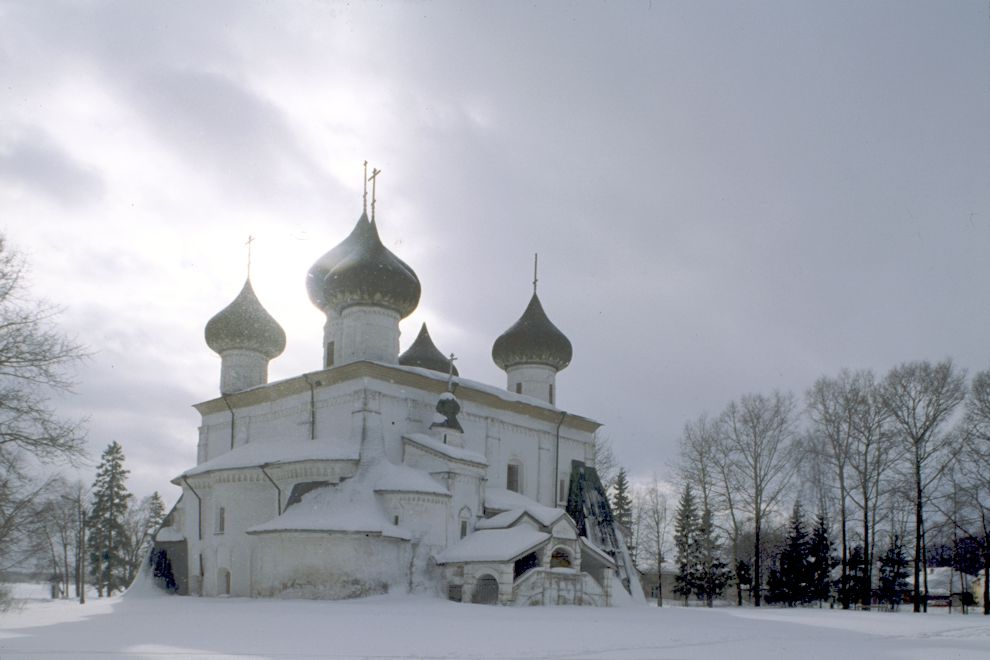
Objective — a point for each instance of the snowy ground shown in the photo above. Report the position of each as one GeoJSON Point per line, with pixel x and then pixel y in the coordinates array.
{"type": "Point", "coordinates": [136, 626]}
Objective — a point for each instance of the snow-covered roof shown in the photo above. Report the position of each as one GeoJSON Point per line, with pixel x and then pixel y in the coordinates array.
{"type": "Point", "coordinates": [273, 453]}
{"type": "Point", "coordinates": [405, 479]}
{"type": "Point", "coordinates": [593, 549]}
{"type": "Point", "coordinates": [499, 392]}
{"type": "Point", "coordinates": [351, 506]}
{"type": "Point", "coordinates": [501, 499]}
{"type": "Point", "coordinates": [939, 578]}
{"type": "Point", "coordinates": [503, 520]}
{"type": "Point", "coordinates": [457, 453]}
{"type": "Point", "coordinates": [493, 545]}
{"type": "Point", "coordinates": [169, 534]}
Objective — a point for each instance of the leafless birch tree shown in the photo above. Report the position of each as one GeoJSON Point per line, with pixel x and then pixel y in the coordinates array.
{"type": "Point", "coordinates": [759, 431]}
{"type": "Point", "coordinates": [920, 398]}
{"type": "Point", "coordinates": [652, 511]}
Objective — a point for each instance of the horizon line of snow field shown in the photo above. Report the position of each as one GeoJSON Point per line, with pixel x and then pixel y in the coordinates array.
{"type": "Point", "coordinates": [147, 624]}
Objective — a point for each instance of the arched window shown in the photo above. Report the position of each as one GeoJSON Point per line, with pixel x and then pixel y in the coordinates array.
{"type": "Point", "coordinates": [223, 582]}
{"type": "Point", "coordinates": [221, 520]}
{"type": "Point", "coordinates": [513, 476]}
{"type": "Point", "coordinates": [560, 558]}
{"type": "Point", "coordinates": [465, 518]}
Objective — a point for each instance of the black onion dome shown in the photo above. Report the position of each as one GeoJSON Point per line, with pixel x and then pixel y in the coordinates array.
{"type": "Point", "coordinates": [246, 325]}
{"type": "Point", "coordinates": [319, 271]}
{"type": "Point", "coordinates": [362, 271]}
{"type": "Point", "coordinates": [533, 339]}
{"type": "Point", "coordinates": [424, 353]}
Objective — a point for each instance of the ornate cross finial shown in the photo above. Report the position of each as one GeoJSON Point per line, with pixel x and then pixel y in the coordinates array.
{"type": "Point", "coordinates": [248, 244]}
{"type": "Point", "coordinates": [365, 198]}
{"type": "Point", "coordinates": [373, 178]}
{"type": "Point", "coordinates": [450, 373]}
{"type": "Point", "coordinates": [536, 263]}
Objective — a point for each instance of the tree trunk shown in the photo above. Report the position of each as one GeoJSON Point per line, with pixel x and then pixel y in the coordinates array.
{"type": "Point", "coordinates": [924, 569]}
{"type": "Point", "coordinates": [918, 517]}
{"type": "Point", "coordinates": [844, 579]}
{"type": "Point", "coordinates": [756, 587]}
{"type": "Point", "coordinates": [867, 596]}
{"type": "Point", "coordinates": [986, 583]}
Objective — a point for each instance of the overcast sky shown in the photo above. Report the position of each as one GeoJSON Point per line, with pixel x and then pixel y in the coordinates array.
{"type": "Point", "coordinates": [726, 197]}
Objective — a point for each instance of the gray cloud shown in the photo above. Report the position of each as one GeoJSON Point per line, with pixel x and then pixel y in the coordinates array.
{"type": "Point", "coordinates": [726, 198]}
{"type": "Point", "coordinates": [29, 157]}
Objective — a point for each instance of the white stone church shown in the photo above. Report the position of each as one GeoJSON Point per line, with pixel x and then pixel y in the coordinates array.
{"type": "Point", "coordinates": [388, 472]}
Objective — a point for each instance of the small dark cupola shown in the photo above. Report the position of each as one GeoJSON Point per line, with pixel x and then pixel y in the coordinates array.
{"type": "Point", "coordinates": [246, 337]}
{"type": "Point", "coordinates": [424, 353]}
{"type": "Point", "coordinates": [532, 340]}
{"type": "Point", "coordinates": [532, 351]}
{"type": "Point", "coordinates": [364, 290]}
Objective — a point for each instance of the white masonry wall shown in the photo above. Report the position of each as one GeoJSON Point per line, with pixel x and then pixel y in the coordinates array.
{"type": "Point", "coordinates": [535, 380]}
{"type": "Point", "coordinates": [327, 414]}
{"type": "Point", "coordinates": [367, 333]}
{"type": "Point", "coordinates": [240, 369]}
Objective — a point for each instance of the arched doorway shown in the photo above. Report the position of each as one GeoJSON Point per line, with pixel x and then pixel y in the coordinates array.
{"type": "Point", "coordinates": [485, 591]}
{"type": "Point", "coordinates": [223, 582]}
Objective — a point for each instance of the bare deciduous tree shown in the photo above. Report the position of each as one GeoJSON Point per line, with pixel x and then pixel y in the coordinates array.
{"type": "Point", "coordinates": [872, 456]}
{"type": "Point", "coordinates": [605, 463]}
{"type": "Point", "coordinates": [829, 408]}
{"type": "Point", "coordinates": [759, 431]}
{"type": "Point", "coordinates": [652, 513]}
{"type": "Point", "coordinates": [35, 361]}
{"type": "Point", "coordinates": [699, 444]}
{"type": "Point", "coordinates": [920, 398]}
{"type": "Point", "coordinates": [976, 470]}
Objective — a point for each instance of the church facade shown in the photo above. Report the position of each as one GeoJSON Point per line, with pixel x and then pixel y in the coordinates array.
{"type": "Point", "coordinates": [387, 472]}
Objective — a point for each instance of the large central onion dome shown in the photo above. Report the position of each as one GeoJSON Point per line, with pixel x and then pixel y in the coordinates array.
{"type": "Point", "coordinates": [362, 271]}
{"type": "Point", "coordinates": [244, 324]}
{"type": "Point", "coordinates": [533, 339]}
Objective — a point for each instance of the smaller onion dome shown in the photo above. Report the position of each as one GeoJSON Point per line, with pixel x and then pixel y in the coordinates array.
{"type": "Point", "coordinates": [244, 324]}
{"type": "Point", "coordinates": [533, 339]}
{"type": "Point", "coordinates": [362, 271]}
{"type": "Point", "coordinates": [424, 353]}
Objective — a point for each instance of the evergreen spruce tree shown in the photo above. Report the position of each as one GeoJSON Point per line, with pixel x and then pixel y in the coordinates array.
{"type": "Point", "coordinates": [712, 572]}
{"type": "Point", "coordinates": [823, 559]}
{"type": "Point", "coordinates": [622, 506]}
{"type": "Point", "coordinates": [856, 574]}
{"type": "Point", "coordinates": [686, 546]}
{"type": "Point", "coordinates": [795, 571]}
{"type": "Point", "coordinates": [107, 524]}
{"type": "Point", "coordinates": [893, 582]}
{"type": "Point", "coordinates": [744, 578]}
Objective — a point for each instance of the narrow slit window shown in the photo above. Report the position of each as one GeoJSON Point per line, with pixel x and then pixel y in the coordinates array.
{"type": "Point", "coordinates": [512, 477]}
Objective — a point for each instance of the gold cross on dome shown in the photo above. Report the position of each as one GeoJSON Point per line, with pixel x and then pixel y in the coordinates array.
{"type": "Point", "coordinates": [248, 243]}
{"type": "Point", "coordinates": [365, 198]}
{"type": "Point", "coordinates": [536, 263]}
{"type": "Point", "coordinates": [374, 179]}
{"type": "Point", "coordinates": [450, 372]}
